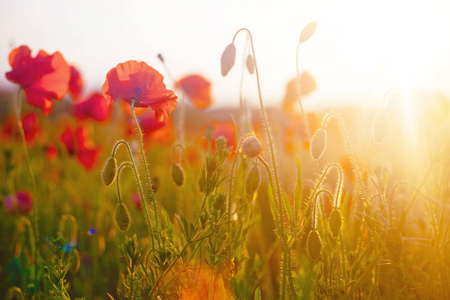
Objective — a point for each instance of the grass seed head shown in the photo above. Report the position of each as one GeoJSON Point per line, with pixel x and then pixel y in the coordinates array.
{"type": "Point", "coordinates": [177, 174]}
{"type": "Point", "coordinates": [251, 146]}
{"type": "Point", "coordinates": [123, 218]}
{"type": "Point", "coordinates": [253, 180]}
{"type": "Point", "coordinates": [109, 171]}
{"type": "Point", "coordinates": [314, 245]}
{"type": "Point", "coordinates": [335, 222]}
{"type": "Point", "coordinates": [394, 245]}
{"type": "Point", "coordinates": [318, 143]}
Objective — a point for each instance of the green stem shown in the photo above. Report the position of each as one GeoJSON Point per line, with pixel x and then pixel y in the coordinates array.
{"type": "Point", "coordinates": [33, 182]}
{"type": "Point", "coordinates": [152, 196]}
{"type": "Point", "coordinates": [118, 179]}
{"type": "Point", "coordinates": [138, 181]}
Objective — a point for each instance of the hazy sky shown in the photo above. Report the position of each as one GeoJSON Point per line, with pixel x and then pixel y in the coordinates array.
{"type": "Point", "coordinates": [359, 50]}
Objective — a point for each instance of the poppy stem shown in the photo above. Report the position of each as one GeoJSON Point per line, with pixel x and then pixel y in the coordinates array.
{"type": "Point", "coordinates": [31, 174]}
{"type": "Point", "coordinates": [138, 182]}
{"type": "Point", "coordinates": [150, 190]}
{"type": "Point", "coordinates": [308, 130]}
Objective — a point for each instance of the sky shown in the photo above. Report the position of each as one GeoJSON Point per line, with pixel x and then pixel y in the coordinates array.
{"type": "Point", "coordinates": [360, 49]}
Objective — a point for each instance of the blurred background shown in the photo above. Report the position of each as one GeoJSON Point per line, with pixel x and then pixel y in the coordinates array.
{"type": "Point", "coordinates": [359, 50]}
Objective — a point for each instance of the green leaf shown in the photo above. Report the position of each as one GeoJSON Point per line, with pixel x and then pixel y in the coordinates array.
{"type": "Point", "coordinates": [272, 205]}
{"type": "Point", "coordinates": [258, 293]}
{"type": "Point", "coordinates": [288, 206]}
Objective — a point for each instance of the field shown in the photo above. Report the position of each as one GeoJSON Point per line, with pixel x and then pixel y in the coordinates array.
{"type": "Point", "coordinates": [142, 191]}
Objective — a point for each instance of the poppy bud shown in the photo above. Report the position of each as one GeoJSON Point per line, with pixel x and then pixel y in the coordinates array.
{"type": "Point", "coordinates": [210, 132]}
{"type": "Point", "coordinates": [177, 174]}
{"type": "Point", "coordinates": [123, 218]}
{"type": "Point", "coordinates": [380, 127]}
{"type": "Point", "coordinates": [335, 222]}
{"type": "Point", "coordinates": [109, 171]}
{"type": "Point", "coordinates": [228, 59]}
{"type": "Point", "coordinates": [314, 245]}
{"type": "Point", "coordinates": [253, 180]}
{"type": "Point", "coordinates": [318, 143]}
{"type": "Point", "coordinates": [251, 146]}
{"type": "Point", "coordinates": [250, 64]}
{"type": "Point", "coordinates": [308, 31]}
{"type": "Point", "coordinates": [160, 57]}
{"type": "Point", "coordinates": [394, 246]}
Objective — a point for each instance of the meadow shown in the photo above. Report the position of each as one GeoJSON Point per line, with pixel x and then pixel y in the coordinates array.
{"type": "Point", "coordinates": [142, 191]}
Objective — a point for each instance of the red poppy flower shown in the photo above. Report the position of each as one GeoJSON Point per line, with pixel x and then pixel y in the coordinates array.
{"type": "Point", "coordinates": [225, 129]}
{"type": "Point", "coordinates": [294, 87]}
{"type": "Point", "coordinates": [197, 89]}
{"type": "Point", "coordinates": [43, 77]}
{"type": "Point", "coordinates": [21, 202]}
{"type": "Point", "coordinates": [30, 127]}
{"type": "Point", "coordinates": [159, 131]}
{"type": "Point", "coordinates": [133, 80]}
{"type": "Point", "coordinates": [78, 144]}
{"type": "Point", "coordinates": [52, 152]}
{"type": "Point", "coordinates": [95, 106]}
{"type": "Point", "coordinates": [76, 83]}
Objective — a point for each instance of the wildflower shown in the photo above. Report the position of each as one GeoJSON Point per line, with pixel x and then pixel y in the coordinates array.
{"type": "Point", "coordinates": [78, 144]}
{"type": "Point", "coordinates": [95, 106]}
{"type": "Point", "coordinates": [76, 83]}
{"type": "Point", "coordinates": [137, 81]}
{"type": "Point", "coordinates": [21, 202]}
{"type": "Point", "coordinates": [52, 152]}
{"type": "Point", "coordinates": [197, 89]}
{"type": "Point", "coordinates": [43, 77]}
{"type": "Point", "coordinates": [30, 125]}
{"type": "Point", "coordinates": [226, 129]}
{"type": "Point", "coordinates": [302, 86]}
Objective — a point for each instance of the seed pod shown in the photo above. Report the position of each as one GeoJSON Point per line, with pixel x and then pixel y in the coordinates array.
{"type": "Point", "coordinates": [123, 218]}
{"type": "Point", "coordinates": [335, 222]}
{"type": "Point", "coordinates": [177, 174]}
{"type": "Point", "coordinates": [318, 143]}
{"type": "Point", "coordinates": [380, 127]}
{"type": "Point", "coordinates": [109, 171]}
{"type": "Point", "coordinates": [253, 180]}
{"type": "Point", "coordinates": [228, 59]}
{"type": "Point", "coordinates": [250, 64]}
{"type": "Point", "coordinates": [394, 245]}
{"type": "Point", "coordinates": [251, 146]}
{"type": "Point", "coordinates": [314, 245]}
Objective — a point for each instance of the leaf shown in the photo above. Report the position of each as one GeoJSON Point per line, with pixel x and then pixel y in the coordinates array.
{"type": "Point", "coordinates": [258, 293]}
{"type": "Point", "coordinates": [308, 31]}
{"type": "Point", "coordinates": [288, 206]}
{"type": "Point", "coordinates": [273, 209]}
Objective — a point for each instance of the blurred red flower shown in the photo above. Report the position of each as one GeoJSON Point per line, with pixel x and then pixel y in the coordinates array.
{"type": "Point", "coordinates": [19, 203]}
{"type": "Point", "coordinates": [77, 143]}
{"type": "Point", "coordinates": [225, 129]}
{"type": "Point", "coordinates": [303, 86]}
{"type": "Point", "coordinates": [95, 106]}
{"type": "Point", "coordinates": [52, 152]}
{"type": "Point", "coordinates": [76, 83]}
{"type": "Point", "coordinates": [43, 77]}
{"type": "Point", "coordinates": [30, 126]}
{"type": "Point", "coordinates": [157, 131]}
{"type": "Point", "coordinates": [133, 80]}
{"type": "Point", "coordinates": [197, 89]}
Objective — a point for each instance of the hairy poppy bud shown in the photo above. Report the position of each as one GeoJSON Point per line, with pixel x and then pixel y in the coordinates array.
{"type": "Point", "coordinates": [109, 171]}
{"type": "Point", "coordinates": [335, 222]}
{"type": "Point", "coordinates": [253, 180]}
{"type": "Point", "coordinates": [380, 127]}
{"type": "Point", "coordinates": [394, 245]}
{"type": "Point", "coordinates": [318, 143]}
{"type": "Point", "coordinates": [251, 146]}
{"type": "Point", "coordinates": [177, 174]}
{"type": "Point", "coordinates": [250, 64]}
{"type": "Point", "coordinates": [228, 59]}
{"type": "Point", "coordinates": [123, 218]}
{"type": "Point", "coordinates": [314, 245]}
